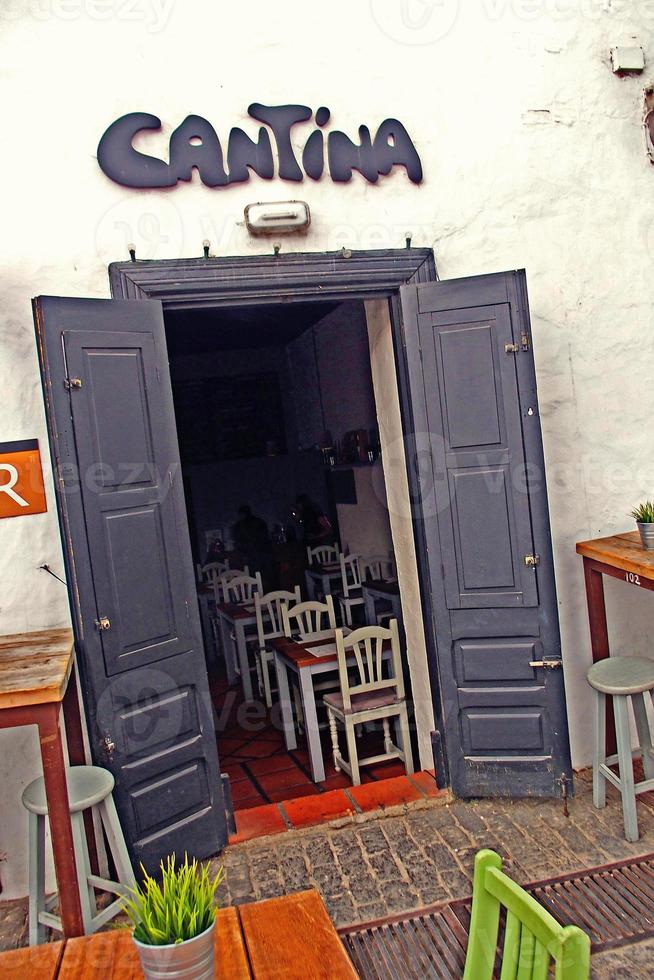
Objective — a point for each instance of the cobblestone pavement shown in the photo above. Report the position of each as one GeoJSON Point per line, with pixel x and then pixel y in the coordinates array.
{"type": "Point", "coordinates": [394, 863]}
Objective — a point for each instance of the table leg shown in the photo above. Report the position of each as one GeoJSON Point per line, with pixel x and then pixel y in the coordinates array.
{"type": "Point", "coordinates": [227, 648]}
{"type": "Point", "coordinates": [369, 602]}
{"type": "Point", "coordinates": [599, 637]}
{"type": "Point", "coordinates": [311, 585]}
{"type": "Point", "coordinates": [77, 756]}
{"type": "Point", "coordinates": [56, 789]}
{"type": "Point", "coordinates": [284, 695]}
{"type": "Point", "coordinates": [244, 663]}
{"type": "Point", "coordinates": [311, 726]}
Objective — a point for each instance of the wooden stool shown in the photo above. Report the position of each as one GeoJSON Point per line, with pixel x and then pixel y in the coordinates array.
{"type": "Point", "coordinates": [622, 678]}
{"type": "Point", "coordinates": [88, 786]}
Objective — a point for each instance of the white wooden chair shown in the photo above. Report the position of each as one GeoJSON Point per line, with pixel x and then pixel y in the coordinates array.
{"type": "Point", "coordinates": [242, 587]}
{"type": "Point", "coordinates": [351, 595]}
{"type": "Point", "coordinates": [322, 554]}
{"type": "Point", "coordinates": [310, 620]}
{"type": "Point", "coordinates": [377, 567]}
{"type": "Point", "coordinates": [221, 583]}
{"type": "Point", "coordinates": [268, 610]}
{"type": "Point", "coordinates": [213, 570]}
{"type": "Point", "coordinates": [366, 695]}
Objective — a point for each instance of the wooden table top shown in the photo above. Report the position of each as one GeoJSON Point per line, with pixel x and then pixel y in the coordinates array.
{"type": "Point", "coordinates": [290, 937]}
{"type": "Point", "coordinates": [35, 667]}
{"type": "Point", "coordinates": [622, 551]}
{"type": "Point", "coordinates": [237, 610]}
{"type": "Point", "coordinates": [296, 650]}
{"type": "Point", "coordinates": [381, 585]}
{"type": "Point", "coordinates": [293, 937]}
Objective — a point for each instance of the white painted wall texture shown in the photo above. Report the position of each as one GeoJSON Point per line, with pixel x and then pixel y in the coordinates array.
{"type": "Point", "coordinates": [533, 156]}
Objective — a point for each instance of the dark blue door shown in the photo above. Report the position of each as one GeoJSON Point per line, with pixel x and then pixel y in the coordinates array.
{"type": "Point", "coordinates": [483, 526]}
{"type": "Point", "coordinates": [129, 569]}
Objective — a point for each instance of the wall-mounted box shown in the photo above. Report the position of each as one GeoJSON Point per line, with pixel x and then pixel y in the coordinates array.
{"type": "Point", "coordinates": [628, 59]}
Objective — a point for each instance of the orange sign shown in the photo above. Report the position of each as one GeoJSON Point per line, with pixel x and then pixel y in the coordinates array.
{"type": "Point", "coordinates": [21, 479]}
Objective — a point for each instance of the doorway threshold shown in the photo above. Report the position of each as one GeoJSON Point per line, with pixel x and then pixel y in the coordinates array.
{"type": "Point", "coordinates": [309, 811]}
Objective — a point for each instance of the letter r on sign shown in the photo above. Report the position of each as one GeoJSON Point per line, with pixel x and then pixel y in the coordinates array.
{"type": "Point", "coordinates": [21, 479]}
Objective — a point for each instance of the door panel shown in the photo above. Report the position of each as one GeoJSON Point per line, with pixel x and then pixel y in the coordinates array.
{"type": "Point", "coordinates": [503, 720]}
{"type": "Point", "coordinates": [121, 506]}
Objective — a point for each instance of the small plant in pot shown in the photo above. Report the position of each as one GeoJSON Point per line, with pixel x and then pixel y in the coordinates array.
{"type": "Point", "coordinates": [644, 515]}
{"type": "Point", "coordinates": [174, 921]}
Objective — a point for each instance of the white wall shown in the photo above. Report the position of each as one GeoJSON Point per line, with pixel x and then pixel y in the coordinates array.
{"type": "Point", "coordinates": [533, 156]}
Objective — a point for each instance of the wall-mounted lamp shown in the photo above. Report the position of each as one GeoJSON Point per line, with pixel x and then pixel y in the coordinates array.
{"type": "Point", "coordinates": [277, 217]}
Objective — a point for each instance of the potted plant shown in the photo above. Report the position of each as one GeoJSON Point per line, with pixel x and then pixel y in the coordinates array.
{"type": "Point", "coordinates": [644, 515]}
{"type": "Point", "coordinates": [174, 921]}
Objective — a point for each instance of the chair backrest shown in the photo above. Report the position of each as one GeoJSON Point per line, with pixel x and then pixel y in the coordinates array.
{"type": "Point", "coordinates": [350, 573]}
{"type": "Point", "coordinates": [376, 567]}
{"type": "Point", "coordinates": [309, 618]}
{"type": "Point", "coordinates": [366, 672]}
{"type": "Point", "coordinates": [268, 610]}
{"type": "Point", "coordinates": [213, 570]}
{"type": "Point", "coordinates": [322, 554]}
{"type": "Point", "coordinates": [532, 935]}
{"type": "Point", "coordinates": [242, 587]}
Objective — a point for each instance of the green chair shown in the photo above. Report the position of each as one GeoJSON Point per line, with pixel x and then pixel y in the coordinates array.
{"type": "Point", "coordinates": [532, 937]}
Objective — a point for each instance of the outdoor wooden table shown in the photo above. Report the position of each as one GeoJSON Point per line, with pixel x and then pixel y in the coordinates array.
{"type": "Point", "coordinates": [291, 937]}
{"type": "Point", "coordinates": [621, 556]}
{"type": "Point", "coordinates": [379, 590]}
{"type": "Point", "coordinates": [323, 576]}
{"type": "Point", "coordinates": [237, 617]}
{"type": "Point", "coordinates": [34, 672]}
{"type": "Point", "coordinates": [307, 659]}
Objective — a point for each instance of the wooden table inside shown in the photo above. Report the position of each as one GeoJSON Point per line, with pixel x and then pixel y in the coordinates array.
{"type": "Point", "coordinates": [290, 937]}
{"type": "Point", "coordinates": [619, 556]}
{"type": "Point", "coordinates": [34, 672]}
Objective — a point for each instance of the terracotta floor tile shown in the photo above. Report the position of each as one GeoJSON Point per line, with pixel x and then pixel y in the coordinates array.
{"type": "Point", "coordinates": [292, 793]}
{"type": "Point", "coordinates": [385, 792]}
{"type": "Point", "coordinates": [227, 746]}
{"type": "Point", "coordinates": [283, 778]}
{"type": "Point", "coordinates": [249, 803]}
{"type": "Point", "coordinates": [243, 789]}
{"type": "Point", "coordinates": [255, 750]}
{"type": "Point", "coordinates": [261, 767]}
{"type": "Point", "coordinates": [306, 811]}
{"type": "Point", "coordinates": [386, 770]}
{"type": "Point", "coordinates": [425, 782]}
{"type": "Point", "coordinates": [339, 780]}
{"type": "Point", "coordinates": [258, 821]}
{"type": "Point", "coordinates": [234, 770]}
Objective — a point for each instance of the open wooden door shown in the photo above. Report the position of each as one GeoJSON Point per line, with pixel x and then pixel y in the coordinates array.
{"type": "Point", "coordinates": [483, 527]}
{"type": "Point", "coordinates": [129, 570]}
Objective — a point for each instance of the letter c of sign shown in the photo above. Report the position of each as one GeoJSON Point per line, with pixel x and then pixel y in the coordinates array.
{"type": "Point", "coordinates": [8, 488]}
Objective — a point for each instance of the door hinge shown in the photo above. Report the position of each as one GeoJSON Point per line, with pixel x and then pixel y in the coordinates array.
{"type": "Point", "coordinates": [70, 383]}
{"type": "Point", "coordinates": [108, 745]}
{"type": "Point", "coordinates": [547, 664]}
{"type": "Point", "coordinates": [532, 560]}
{"type": "Point", "coordinates": [562, 783]}
{"type": "Point", "coordinates": [104, 623]}
{"type": "Point", "coordinates": [516, 348]}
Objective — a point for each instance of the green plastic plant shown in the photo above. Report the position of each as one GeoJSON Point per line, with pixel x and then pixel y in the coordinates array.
{"type": "Point", "coordinates": [644, 513]}
{"type": "Point", "coordinates": [179, 908]}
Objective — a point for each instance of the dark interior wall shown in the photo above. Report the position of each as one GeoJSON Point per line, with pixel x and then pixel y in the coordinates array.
{"type": "Point", "coordinates": [325, 382]}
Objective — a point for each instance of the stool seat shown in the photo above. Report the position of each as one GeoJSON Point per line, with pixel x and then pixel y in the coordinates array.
{"type": "Point", "coordinates": [87, 786]}
{"type": "Point", "coordinates": [622, 676]}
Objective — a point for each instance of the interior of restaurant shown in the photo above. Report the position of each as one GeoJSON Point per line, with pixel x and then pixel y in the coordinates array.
{"type": "Point", "coordinates": [275, 403]}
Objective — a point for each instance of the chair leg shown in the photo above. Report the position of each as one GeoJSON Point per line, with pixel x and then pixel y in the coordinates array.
{"type": "Point", "coordinates": [333, 731]}
{"type": "Point", "coordinates": [352, 755]}
{"type": "Point", "coordinates": [258, 665]}
{"type": "Point", "coordinates": [117, 845]}
{"type": "Point", "coordinates": [86, 892]}
{"type": "Point", "coordinates": [388, 741]}
{"type": "Point", "coordinates": [267, 691]}
{"type": "Point", "coordinates": [404, 738]}
{"type": "Point", "coordinates": [625, 762]}
{"type": "Point", "coordinates": [599, 748]}
{"type": "Point", "coordinates": [644, 735]}
{"type": "Point", "coordinates": [36, 839]}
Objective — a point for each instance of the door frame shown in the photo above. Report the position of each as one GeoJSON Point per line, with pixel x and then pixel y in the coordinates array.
{"type": "Point", "coordinates": [190, 284]}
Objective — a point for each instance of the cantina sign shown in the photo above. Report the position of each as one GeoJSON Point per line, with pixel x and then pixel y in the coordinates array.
{"type": "Point", "coordinates": [195, 144]}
